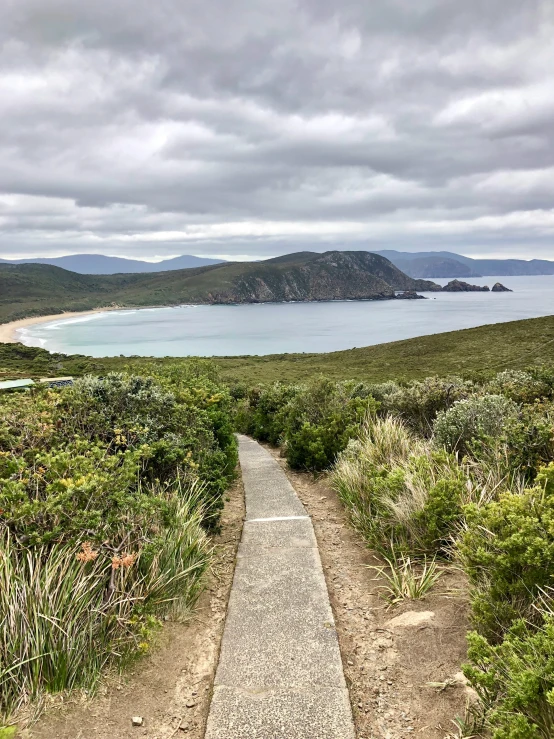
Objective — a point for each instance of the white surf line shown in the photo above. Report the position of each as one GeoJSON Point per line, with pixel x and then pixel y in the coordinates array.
{"type": "Point", "coordinates": [277, 518]}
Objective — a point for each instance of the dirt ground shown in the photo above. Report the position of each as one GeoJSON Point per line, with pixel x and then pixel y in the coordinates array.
{"type": "Point", "coordinates": [389, 661]}
{"type": "Point", "coordinates": [170, 689]}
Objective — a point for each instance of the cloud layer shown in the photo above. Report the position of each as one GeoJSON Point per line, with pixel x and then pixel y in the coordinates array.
{"type": "Point", "coordinates": [247, 128]}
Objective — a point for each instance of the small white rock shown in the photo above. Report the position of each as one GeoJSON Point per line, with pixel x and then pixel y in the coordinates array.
{"type": "Point", "coordinates": [137, 721]}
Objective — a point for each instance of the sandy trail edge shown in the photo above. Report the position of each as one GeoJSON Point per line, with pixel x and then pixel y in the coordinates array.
{"type": "Point", "coordinates": [8, 331]}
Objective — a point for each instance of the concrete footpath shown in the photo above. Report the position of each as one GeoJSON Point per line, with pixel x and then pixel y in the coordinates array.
{"type": "Point", "coordinates": [280, 672]}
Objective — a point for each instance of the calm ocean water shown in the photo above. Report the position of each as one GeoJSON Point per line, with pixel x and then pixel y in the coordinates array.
{"type": "Point", "coordinates": [276, 328]}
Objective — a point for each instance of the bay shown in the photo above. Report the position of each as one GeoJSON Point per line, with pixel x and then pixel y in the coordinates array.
{"type": "Point", "coordinates": [276, 328]}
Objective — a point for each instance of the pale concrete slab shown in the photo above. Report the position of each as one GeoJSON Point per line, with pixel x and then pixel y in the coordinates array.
{"type": "Point", "coordinates": [280, 630]}
{"type": "Point", "coordinates": [280, 673]}
{"type": "Point", "coordinates": [322, 713]}
{"type": "Point", "coordinates": [268, 491]}
{"type": "Point", "coordinates": [269, 498]}
{"type": "Point", "coordinates": [259, 537]}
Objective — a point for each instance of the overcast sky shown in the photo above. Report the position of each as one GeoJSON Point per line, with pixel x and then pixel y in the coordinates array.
{"type": "Point", "coordinates": [249, 128]}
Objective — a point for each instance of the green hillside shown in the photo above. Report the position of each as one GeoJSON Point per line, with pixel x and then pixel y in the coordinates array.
{"type": "Point", "coordinates": [36, 289]}
{"type": "Point", "coordinates": [474, 352]}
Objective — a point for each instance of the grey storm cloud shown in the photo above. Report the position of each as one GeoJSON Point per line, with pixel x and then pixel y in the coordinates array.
{"type": "Point", "coordinates": [247, 128]}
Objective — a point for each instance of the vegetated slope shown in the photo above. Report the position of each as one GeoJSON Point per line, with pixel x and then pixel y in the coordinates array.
{"type": "Point", "coordinates": [330, 276]}
{"type": "Point", "coordinates": [104, 525]}
{"type": "Point", "coordinates": [473, 352]}
{"type": "Point", "coordinates": [478, 352]}
{"type": "Point", "coordinates": [37, 289]}
{"type": "Point", "coordinates": [449, 469]}
{"type": "Point", "coordinates": [511, 267]}
{"type": "Point", "coordinates": [98, 264]}
{"type": "Point", "coordinates": [43, 289]}
{"type": "Point", "coordinates": [42, 281]}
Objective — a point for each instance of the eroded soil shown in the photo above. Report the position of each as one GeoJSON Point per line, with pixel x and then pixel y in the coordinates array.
{"type": "Point", "coordinates": [171, 688]}
{"type": "Point", "coordinates": [389, 662]}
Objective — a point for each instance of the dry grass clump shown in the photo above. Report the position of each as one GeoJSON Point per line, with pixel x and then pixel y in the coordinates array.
{"type": "Point", "coordinates": [402, 494]}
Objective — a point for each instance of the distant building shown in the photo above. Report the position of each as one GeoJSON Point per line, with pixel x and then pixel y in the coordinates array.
{"type": "Point", "coordinates": [57, 381]}
{"type": "Point", "coordinates": [15, 384]}
{"type": "Point", "coordinates": [53, 382]}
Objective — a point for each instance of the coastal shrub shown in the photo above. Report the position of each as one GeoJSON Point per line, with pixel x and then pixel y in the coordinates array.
{"type": "Point", "coordinates": [419, 402]}
{"type": "Point", "coordinates": [515, 680]}
{"type": "Point", "coordinates": [529, 438]}
{"type": "Point", "coordinates": [188, 426]}
{"type": "Point", "coordinates": [57, 495]}
{"type": "Point", "coordinates": [507, 550]}
{"type": "Point", "coordinates": [320, 420]}
{"type": "Point", "coordinates": [382, 391]}
{"type": "Point", "coordinates": [401, 493]}
{"type": "Point", "coordinates": [106, 490]}
{"type": "Point", "coordinates": [312, 422]}
{"type": "Point", "coordinates": [519, 386]}
{"type": "Point", "coordinates": [471, 420]}
{"type": "Point", "coordinates": [268, 411]}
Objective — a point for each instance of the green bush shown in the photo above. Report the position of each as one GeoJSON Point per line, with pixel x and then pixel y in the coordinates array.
{"type": "Point", "coordinates": [507, 550]}
{"type": "Point", "coordinates": [515, 680]}
{"type": "Point", "coordinates": [80, 459]}
{"type": "Point", "coordinates": [382, 391]}
{"type": "Point", "coordinates": [519, 386]}
{"type": "Point", "coordinates": [320, 420]}
{"type": "Point", "coordinates": [529, 438]}
{"type": "Point", "coordinates": [418, 403]}
{"type": "Point", "coordinates": [266, 415]}
{"type": "Point", "coordinates": [472, 420]}
{"type": "Point", "coordinates": [313, 422]}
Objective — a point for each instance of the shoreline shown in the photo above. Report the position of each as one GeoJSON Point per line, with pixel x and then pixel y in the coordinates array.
{"type": "Point", "coordinates": [8, 331]}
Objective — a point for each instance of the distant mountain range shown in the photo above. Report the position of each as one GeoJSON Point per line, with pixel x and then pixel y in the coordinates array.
{"type": "Point", "coordinates": [433, 264]}
{"type": "Point", "coordinates": [420, 265]}
{"type": "Point", "coordinates": [98, 264]}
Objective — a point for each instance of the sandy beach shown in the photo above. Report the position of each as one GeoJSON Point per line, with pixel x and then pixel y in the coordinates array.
{"type": "Point", "coordinates": [8, 331]}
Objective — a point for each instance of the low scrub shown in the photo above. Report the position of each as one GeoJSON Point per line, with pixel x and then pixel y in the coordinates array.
{"type": "Point", "coordinates": [507, 550]}
{"type": "Point", "coordinates": [515, 680]}
{"type": "Point", "coordinates": [481, 490]}
{"type": "Point", "coordinates": [474, 419]}
{"type": "Point", "coordinates": [107, 491]}
{"type": "Point", "coordinates": [521, 386]}
{"type": "Point", "coordinates": [418, 403]}
{"type": "Point", "coordinates": [313, 422]}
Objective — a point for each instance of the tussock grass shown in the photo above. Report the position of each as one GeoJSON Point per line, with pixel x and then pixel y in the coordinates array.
{"type": "Point", "coordinates": [70, 611]}
{"type": "Point", "coordinates": [408, 580]}
{"type": "Point", "coordinates": [401, 493]}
